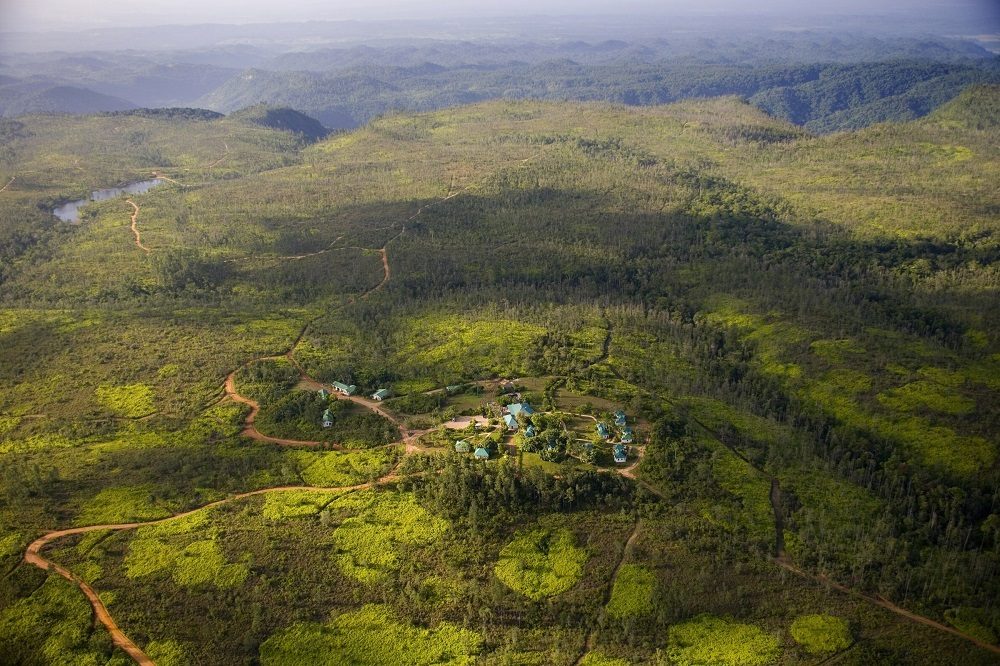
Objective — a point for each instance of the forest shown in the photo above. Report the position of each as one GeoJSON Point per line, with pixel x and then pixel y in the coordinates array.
{"type": "Point", "coordinates": [802, 328]}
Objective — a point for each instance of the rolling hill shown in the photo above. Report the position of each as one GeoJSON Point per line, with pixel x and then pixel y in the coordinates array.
{"type": "Point", "coordinates": [800, 333]}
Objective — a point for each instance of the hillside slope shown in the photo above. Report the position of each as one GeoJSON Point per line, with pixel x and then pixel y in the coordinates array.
{"type": "Point", "coordinates": [801, 331]}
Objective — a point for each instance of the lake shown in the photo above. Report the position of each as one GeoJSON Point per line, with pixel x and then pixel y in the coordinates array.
{"type": "Point", "coordinates": [70, 212]}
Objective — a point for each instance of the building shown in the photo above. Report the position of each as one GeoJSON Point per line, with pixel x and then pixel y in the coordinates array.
{"type": "Point", "coordinates": [327, 418]}
{"type": "Point", "coordinates": [482, 454]}
{"type": "Point", "coordinates": [530, 431]}
{"type": "Point", "coordinates": [461, 446]}
{"type": "Point", "coordinates": [510, 421]}
{"type": "Point", "coordinates": [346, 389]}
{"type": "Point", "coordinates": [453, 388]}
{"type": "Point", "coordinates": [621, 453]}
{"type": "Point", "coordinates": [620, 419]}
{"type": "Point", "coordinates": [323, 394]}
{"type": "Point", "coordinates": [626, 435]}
{"type": "Point", "coordinates": [518, 408]}
{"type": "Point", "coordinates": [603, 431]}
{"type": "Point", "coordinates": [380, 394]}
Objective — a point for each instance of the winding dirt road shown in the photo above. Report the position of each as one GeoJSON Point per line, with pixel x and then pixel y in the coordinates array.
{"type": "Point", "coordinates": [34, 555]}
{"type": "Point", "coordinates": [135, 229]}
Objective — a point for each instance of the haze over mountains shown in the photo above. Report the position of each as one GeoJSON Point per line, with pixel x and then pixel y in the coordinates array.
{"type": "Point", "coordinates": [346, 73]}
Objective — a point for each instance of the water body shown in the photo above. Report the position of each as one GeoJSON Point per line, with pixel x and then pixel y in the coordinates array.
{"type": "Point", "coordinates": [70, 212]}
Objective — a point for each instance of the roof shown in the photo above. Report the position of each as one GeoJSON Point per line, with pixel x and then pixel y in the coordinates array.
{"type": "Point", "coordinates": [621, 452]}
{"type": "Point", "coordinates": [530, 431]}
{"type": "Point", "coordinates": [520, 408]}
{"type": "Point", "coordinates": [451, 388]}
{"type": "Point", "coordinates": [323, 391]}
{"type": "Point", "coordinates": [602, 430]}
{"type": "Point", "coordinates": [620, 418]}
{"type": "Point", "coordinates": [510, 421]}
{"type": "Point", "coordinates": [461, 446]}
{"type": "Point", "coordinates": [346, 388]}
{"type": "Point", "coordinates": [381, 393]}
{"type": "Point", "coordinates": [327, 415]}
{"type": "Point", "coordinates": [482, 453]}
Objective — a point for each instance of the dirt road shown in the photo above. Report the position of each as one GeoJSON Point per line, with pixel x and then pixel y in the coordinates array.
{"type": "Point", "coordinates": [135, 229]}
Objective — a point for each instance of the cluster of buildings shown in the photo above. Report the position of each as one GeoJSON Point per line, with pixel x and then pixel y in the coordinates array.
{"type": "Point", "coordinates": [620, 449]}
{"type": "Point", "coordinates": [348, 390]}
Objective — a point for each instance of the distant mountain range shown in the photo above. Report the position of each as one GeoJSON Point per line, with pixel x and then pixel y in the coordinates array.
{"type": "Point", "coordinates": [822, 82]}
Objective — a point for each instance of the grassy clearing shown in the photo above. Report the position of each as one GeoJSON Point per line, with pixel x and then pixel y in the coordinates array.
{"type": "Point", "coordinates": [632, 594]}
{"type": "Point", "coordinates": [57, 617]}
{"type": "Point", "coordinates": [598, 658]}
{"type": "Point", "coordinates": [711, 641]}
{"type": "Point", "coordinates": [122, 504]}
{"type": "Point", "coordinates": [371, 635]}
{"type": "Point", "coordinates": [131, 400]}
{"type": "Point", "coordinates": [334, 468]}
{"type": "Point", "coordinates": [197, 563]}
{"type": "Point", "coordinates": [821, 634]}
{"type": "Point", "coordinates": [295, 504]}
{"type": "Point", "coordinates": [541, 563]}
{"type": "Point", "coordinates": [451, 346]}
{"type": "Point", "coordinates": [925, 394]}
{"type": "Point", "coordinates": [366, 545]}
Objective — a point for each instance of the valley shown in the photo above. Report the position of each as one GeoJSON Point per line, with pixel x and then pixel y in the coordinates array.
{"type": "Point", "coordinates": [793, 336]}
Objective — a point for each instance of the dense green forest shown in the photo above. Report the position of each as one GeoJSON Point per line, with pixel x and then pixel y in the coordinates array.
{"type": "Point", "coordinates": [802, 329]}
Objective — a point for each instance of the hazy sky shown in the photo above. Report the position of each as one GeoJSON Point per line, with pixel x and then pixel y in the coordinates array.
{"type": "Point", "coordinates": [42, 15]}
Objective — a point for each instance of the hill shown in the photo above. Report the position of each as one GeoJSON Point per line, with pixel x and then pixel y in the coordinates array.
{"type": "Point", "coordinates": [20, 98]}
{"type": "Point", "coordinates": [288, 120]}
{"type": "Point", "coordinates": [800, 333]}
{"type": "Point", "coordinates": [823, 97]}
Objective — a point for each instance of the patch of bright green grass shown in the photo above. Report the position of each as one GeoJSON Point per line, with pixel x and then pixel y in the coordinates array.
{"type": "Point", "coordinates": [122, 504]}
{"type": "Point", "coordinates": [197, 563]}
{"type": "Point", "coordinates": [925, 394]}
{"type": "Point", "coordinates": [130, 400]}
{"type": "Point", "coordinates": [460, 346]}
{"type": "Point", "coordinates": [541, 563]}
{"type": "Point", "coordinates": [294, 503]}
{"type": "Point", "coordinates": [167, 653]}
{"type": "Point", "coordinates": [335, 468]}
{"type": "Point", "coordinates": [632, 594]}
{"type": "Point", "coordinates": [836, 351]}
{"type": "Point", "coordinates": [366, 544]}
{"type": "Point", "coordinates": [598, 658]}
{"type": "Point", "coordinates": [370, 636]}
{"type": "Point", "coordinates": [711, 641]}
{"type": "Point", "coordinates": [57, 617]}
{"type": "Point", "coordinates": [821, 634]}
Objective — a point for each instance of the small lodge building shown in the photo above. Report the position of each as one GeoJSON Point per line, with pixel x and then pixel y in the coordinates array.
{"type": "Point", "coordinates": [346, 389]}
{"type": "Point", "coordinates": [530, 432]}
{"type": "Point", "coordinates": [626, 435]}
{"type": "Point", "coordinates": [482, 454]}
{"type": "Point", "coordinates": [452, 389]}
{"type": "Point", "coordinates": [510, 421]}
{"type": "Point", "coordinates": [621, 453]}
{"type": "Point", "coordinates": [603, 432]}
{"type": "Point", "coordinates": [518, 408]}
{"type": "Point", "coordinates": [323, 394]}
{"type": "Point", "coordinates": [327, 418]}
{"type": "Point", "coordinates": [461, 446]}
{"type": "Point", "coordinates": [380, 395]}
{"type": "Point", "coordinates": [620, 419]}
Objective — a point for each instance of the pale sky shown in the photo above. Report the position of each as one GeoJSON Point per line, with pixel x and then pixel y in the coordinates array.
{"type": "Point", "coordinates": [43, 15]}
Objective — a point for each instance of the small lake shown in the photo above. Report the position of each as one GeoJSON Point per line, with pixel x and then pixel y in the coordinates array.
{"type": "Point", "coordinates": [70, 212]}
